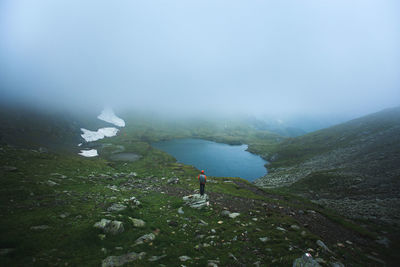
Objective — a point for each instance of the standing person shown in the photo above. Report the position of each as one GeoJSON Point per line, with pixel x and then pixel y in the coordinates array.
{"type": "Point", "coordinates": [202, 179]}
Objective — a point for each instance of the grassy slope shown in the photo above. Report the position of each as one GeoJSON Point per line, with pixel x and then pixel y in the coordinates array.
{"type": "Point", "coordinates": [27, 200]}
{"type": "Point", "coordinates": [83, 195]}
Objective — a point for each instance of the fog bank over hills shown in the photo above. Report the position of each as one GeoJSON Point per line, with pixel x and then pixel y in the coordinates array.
{"type": "Point", "coordinates": [180, 57]}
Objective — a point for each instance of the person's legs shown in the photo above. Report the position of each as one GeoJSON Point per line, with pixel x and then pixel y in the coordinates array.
{"type": "Point", "coordinates": [201, 189]}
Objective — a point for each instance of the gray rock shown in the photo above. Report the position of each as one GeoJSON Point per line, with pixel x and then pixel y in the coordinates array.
{"type": "Point", "coordinates": [121, 260]}
{"type": "Point", "coordinates": [184, 258]}
{"type": "Point", "coordinates": [337, 264]}
{"type": "Point", "coordinates": [383, 241]}
{"type": "Point", "coordinates": [180, 211]}
{"type": "Point", "coordinates": [156, 258]}
{"type": "Point", "coordinates": [133, 202]}
{"type": "Point", "coordinates": [196, 201]}
{"type": "Point", "coordinates": [51, 183]}
{"type": "Point", "coordinates": [232, 256]}
{"type": "Point", "coordinates": [132, 174]}
{"type": "Point", "coordinates": [10, 168]}
{"type": "Point", "coordinates": [137, 222]}
{"type": "Point", "coordinates": [264, 239]}
{"type": "Point", "coordinates": [233, 215]}
{"type": "Point", "coordinates": [225, 213]}
{"type": "Point", "coordinates": [323, 246]}
{"type": "Point", "coordinates": [40, 227]}
{"type": "Point", "coordinates": [5, 251]}
{"type": "Point", "coordinates": [295, 227]}
{"type": "Point", "coordinates": [116, 207]}
{"type": "Point", "coordinates": [110, 227]}
{"type": "Point", "coordinates": [145, 238]}
{"type": "Point", "coordinates": [173, 180]}
{"type": "Point", "coordinates": [305, 261]}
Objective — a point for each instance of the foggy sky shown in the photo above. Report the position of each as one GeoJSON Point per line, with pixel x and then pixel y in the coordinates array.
{"type": "Point", "coordinates": [254, 56]}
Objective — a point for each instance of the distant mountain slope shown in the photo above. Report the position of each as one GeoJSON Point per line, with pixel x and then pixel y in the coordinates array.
{"type": "Point", "coordinates": [359, 159]}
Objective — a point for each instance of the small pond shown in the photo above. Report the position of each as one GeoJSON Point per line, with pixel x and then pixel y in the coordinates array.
{"type": "Point", "coordinates": [216, 159]}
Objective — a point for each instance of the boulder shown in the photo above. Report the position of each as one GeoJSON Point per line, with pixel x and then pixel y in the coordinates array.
{"type": "Point", "coordinates": [137, 222]}
{"type": "Point", "coordinates": [121, 260]}
{"type": "Point", "coordinates": [196, 201]}
{"type": "Point", "coordinates": [145, 238]}
{"type": "Point", "coordinates": [133, 202]}
{"type": "Point", "coordinates": [173, 180]}
{"type": "Point", "coordinates": [116, 207]}
{"type": "Point", "coordinates": [110, 227]}
{"type": "Point", "coordinates": [305, 261]}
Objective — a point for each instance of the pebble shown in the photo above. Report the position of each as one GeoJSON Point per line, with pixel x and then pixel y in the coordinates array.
{"type": "Point", "coordinates": [184, 258]}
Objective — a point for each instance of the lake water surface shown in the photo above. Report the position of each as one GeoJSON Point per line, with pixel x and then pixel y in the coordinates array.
{"type": "Point", "coordinates": [216, 159]}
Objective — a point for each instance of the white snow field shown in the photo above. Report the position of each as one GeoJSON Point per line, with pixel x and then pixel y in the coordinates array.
{"type": "Point", "coordinates": [108, 115]}
{"type": "Point", "coordinates": [89, 153]}
{"type": "Point", "coordinates": [91, 136]}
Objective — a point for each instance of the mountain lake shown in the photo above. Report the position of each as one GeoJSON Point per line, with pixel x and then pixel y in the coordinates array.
{"type": "Point", "coordinates": [216, 159]}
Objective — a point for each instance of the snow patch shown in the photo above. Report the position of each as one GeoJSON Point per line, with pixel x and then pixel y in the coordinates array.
{"type": "Point", "coordinates": [108, 115]}
{"type": "Point", "coordinates": [89, 153]}
{"type": "Point", "coordinates": [91, 136]}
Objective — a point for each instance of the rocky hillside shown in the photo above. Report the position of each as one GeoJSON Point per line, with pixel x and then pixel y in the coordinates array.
{"type": "Point", "coordinates": [61, 209]}
{"type": "Point", "coordinates": [353, 167]}
{"type": "Point", "coordinates": [66, 210]}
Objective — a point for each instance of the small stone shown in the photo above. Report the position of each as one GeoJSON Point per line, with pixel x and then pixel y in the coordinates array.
{"type": "Point", "coordinates": [180, 210]}
{"type": "Point", "coordinates": [337, 264]}
{"type": "Point", "coordinates": [64, 215]}
{"type": "Point", "coordinates": [5, 251]}
{"type": "Point", "coordinates": [264, 239]}
{"type": "Point", "coordinates": [137, 222]}
{"type": "Point", "coordinates": [323, 246]}
{"type": "Point", "coordinates": [184, 258]}
{"type": "Point", "coordinates": [40, 227]}
{"type": "Point", "coordinates": [202, 223]}
{"type": "Point", "coordinates": [112, 261]}
{"type": "Point", "coordinates": [280, 229]}
{"type": "Point", "coordinates": [234, 215]}
{"type": "Point", "coordinates": [145, 239]}
{"type": "Point", "coordinates": [156, 258]}
{"type": "Point", "coordinates": [225, 213]}
{"type": "Point", "coordinates": [102, 236]}
{"type": "Point", "coordinates": [295, 227]}
{"type": "Point", "coordinates": [10, 168]}
{"type": "Point", "coordinates": [116, 207]}
{"type": "Point", "coordinates": [349, 242]}
{"type": "Point", "coordinates": [51, 183]}
{"type": "Point", "coordinates": [232, 256]}
{"type": "Point", "coordinates": [220, 222]}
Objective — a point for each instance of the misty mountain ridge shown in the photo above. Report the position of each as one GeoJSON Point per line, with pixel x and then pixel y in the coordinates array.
{"type": "Point", "coordinates": [346, 167]}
